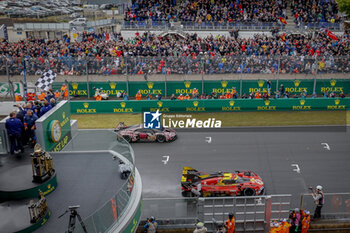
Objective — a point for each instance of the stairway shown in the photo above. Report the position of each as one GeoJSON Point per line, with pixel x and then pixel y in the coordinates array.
{"type": "Point", "coordinates": [290, 23]}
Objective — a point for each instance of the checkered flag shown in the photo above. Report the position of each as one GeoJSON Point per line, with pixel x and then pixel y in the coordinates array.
{"type": "Point", "coordinates": [46, 80]}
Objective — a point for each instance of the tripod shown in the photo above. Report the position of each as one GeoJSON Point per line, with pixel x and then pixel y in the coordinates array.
{"type": "Point", "coordinates": [72, 216]}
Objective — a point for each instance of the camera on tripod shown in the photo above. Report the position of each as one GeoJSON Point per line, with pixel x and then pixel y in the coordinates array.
{"type": "Point", "coordinates": [73, 207]}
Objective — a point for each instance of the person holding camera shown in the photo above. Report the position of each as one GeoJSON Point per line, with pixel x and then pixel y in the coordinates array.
{"type": "Point", "coordinates": [319, 200]}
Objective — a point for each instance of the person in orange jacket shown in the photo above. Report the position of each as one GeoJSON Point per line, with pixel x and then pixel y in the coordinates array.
{"type": "Point", "coordinates": [18, 97]}
{"type": "Point", "coordinates": [42, 96]}
{"type": "Point", "coordinates": [64, 91]}
{"type": "Point", "coordinates": [285, 226]}
{"type": "Point", "coordinates": [98, 98]}
{"type": "Point", "coordinates": [258, 95]}
{"type": "Point", "coordinates": [230, 223]}
{"type": "Point", "coordinates": [187, 97]}
{"type": "Point", "coordinates": [234, 93]}
{"type": "Point", "coordinates": [305, 223]}
{"type": "Point", "coordinates": [181, 97]}
{"type": "Point", "coordinates": [228, 95]}
{"type": "Point", "coordinates": [138, 96]}
{"type": "Point", "coordinates": [57, 94]}
{"type": "Point", "coordinates": [222, 96]}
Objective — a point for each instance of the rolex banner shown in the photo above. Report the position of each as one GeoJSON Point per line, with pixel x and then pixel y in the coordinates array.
{"type": "Point", "coordinates": [293, 86]}
{"type": "Point", "coordinates": [198, 106]}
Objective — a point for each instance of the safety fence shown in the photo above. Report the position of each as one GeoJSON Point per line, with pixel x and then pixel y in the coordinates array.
{"type": "Point", "coordinates": [224, 26]}
{"type": "Point", "coordinates": [116, 62]}
{"type": "Point", "coordinates": [170, 106]}
{"type": "Point", "coordinates": [167, 88]}
{"type": "Point", "coordinates": [253, 214]}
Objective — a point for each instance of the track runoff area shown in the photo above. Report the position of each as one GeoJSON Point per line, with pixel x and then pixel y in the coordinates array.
{"type": "Point", "coordinates": [289, 159]}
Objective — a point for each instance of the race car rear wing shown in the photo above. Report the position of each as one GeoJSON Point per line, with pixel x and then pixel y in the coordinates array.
{"type": "Point", "coordinates": [191, 175]}
{"type": "Point", "coordinates": [121, 125]}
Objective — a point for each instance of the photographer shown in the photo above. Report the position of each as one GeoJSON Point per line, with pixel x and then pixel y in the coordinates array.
{"type": "Point", "coordinates": [319, 200]}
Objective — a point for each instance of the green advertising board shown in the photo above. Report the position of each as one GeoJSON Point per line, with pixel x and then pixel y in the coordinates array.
{"type": "Point", "coordinates": [5, 88]}
{"type": "Point", "coordinates": [293, 86]}
{"type": "Point", "coordinates": [225, 105]}
{"type": "Point", "coordinates": [53, 129]}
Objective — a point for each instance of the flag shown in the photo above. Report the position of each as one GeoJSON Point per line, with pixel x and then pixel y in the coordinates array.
{"type": "Point", "coordinates": [46, 80]}
{"type": "Point", "coordinates": [283, 37]}
{"type": "Point", "coordinates": [331, 35]}
{"type": "Point", "coordinates": [283, 20]}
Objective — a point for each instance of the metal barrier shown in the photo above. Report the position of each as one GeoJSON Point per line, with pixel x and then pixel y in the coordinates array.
{"type": "Point", "coordinates": [253, 214]}
{"type": "Point", "coordinates": [337, 205]}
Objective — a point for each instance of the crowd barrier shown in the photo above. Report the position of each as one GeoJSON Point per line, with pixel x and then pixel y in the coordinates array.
{"type": "Point", "coordinates": [227, 105]}
{"type": "Point", "coordinates": [296, 86]}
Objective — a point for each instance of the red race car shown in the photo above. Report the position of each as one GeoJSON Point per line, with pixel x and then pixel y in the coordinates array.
{"type": "Point", "coordinates": [136, 133]}
{"type": "Point", "coordinates": [239, 183]}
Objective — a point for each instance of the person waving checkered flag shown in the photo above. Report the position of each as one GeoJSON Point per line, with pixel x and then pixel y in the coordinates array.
{"type": "Point", "coordinates": [46, 80]}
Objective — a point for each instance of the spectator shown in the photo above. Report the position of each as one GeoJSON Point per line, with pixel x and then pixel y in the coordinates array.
{"type": "Point", "coordinates": [282, 90]}
{"type": "Point", "coordinates": [14, 130]}
{"type": "Point", "coordinates": [268, 86]}
{"type": "Point", "coordinates": [200, 228]}
{"type": "Point", "coordinates": [173, 97]}
{"type": "Point", "coordinates": [258, 95]}
{"type": "Point", "coordinates": [53, 102]}
{"type": "Point", "coordinates": [149, 96]}
{"type": "Point", "coordinates": [342, 95]}
{"type": "Point", "coordinates": [159, 96]}
{"type": "Point", "coordinates": [138, 96]}
{"type": "Point", "coordinates": [195, 93]}
{"type": "Point", "coordinates": [125, 96]}
{"type": "Point", "coordinates": [29, 126]}
{"type": "Point", "coordinates": [303, 94]}
{"type": "Point", "coordinates": [151, 225]}
{"type": "Point", "coordinates": [181, 97]}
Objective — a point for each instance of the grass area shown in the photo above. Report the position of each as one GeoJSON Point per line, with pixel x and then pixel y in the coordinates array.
{"type": "Point", "coordinates": [102, 121]}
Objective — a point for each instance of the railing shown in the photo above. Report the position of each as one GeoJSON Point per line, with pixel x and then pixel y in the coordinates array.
{"type": "Point", "coordinates": [317, 26]}
{"type": "Point", "coordinates": [206, 26]}
{"type": "Point", "coordinates": [57, 26]}
{"type": "Point", "coordinates": [204, 63]}
{"type": "Point", "coordinates": [251, 213]}
{"type": "Point", "coordinates": [110, 213]}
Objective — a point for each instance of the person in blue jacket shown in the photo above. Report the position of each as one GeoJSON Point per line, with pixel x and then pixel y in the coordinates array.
{"type": "Point", "coordinates": [29, 126]}
{"type": "Point", "coordinates": [14, 130]}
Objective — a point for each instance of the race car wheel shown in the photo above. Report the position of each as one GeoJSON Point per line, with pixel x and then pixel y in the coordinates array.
{"type": "Point", "coordinates": [127, 138]}
{"type": "Point", "coordinates": [160, 138]}
{"type": "Point", "coordinates": [248, 192]}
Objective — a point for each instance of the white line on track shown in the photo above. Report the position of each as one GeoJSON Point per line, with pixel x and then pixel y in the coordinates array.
{"type": "Point", "coordinates": [166, 159]}
{"type": "Point", "coordinates": [296, 169]}
{"type": "Point", "coordinates": [325, 146]}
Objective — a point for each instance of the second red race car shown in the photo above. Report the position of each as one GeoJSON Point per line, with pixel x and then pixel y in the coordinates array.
{"type": "Point", "coordinates": [239, 183]}
{"type": "Point", "coordinates": [136, 133]}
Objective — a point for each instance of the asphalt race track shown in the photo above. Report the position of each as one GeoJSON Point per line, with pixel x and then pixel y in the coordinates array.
{"type": "Point", "coordinates": [270, 152]}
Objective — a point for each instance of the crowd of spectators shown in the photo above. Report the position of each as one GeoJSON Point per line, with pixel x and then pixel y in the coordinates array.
{"type": "Point", "coordinates": [232, 11]}
{"type": "Point", "coordinates": [315, 11]}
{"type": "Point", "coordinates": [151, 54]}
{"type": "Point", "coordinates": [206, 11]}
{"type": "Point", "coordinates": [21, 124]}
{"type": "Point", "coordinates": [223, 11]}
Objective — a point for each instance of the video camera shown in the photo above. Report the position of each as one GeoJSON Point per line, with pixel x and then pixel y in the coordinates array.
{"type": "Point", "coordinates": [73, 207]}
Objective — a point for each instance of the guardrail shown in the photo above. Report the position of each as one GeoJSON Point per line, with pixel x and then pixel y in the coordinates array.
{"type": "Point", "coordinates": [251, 213]}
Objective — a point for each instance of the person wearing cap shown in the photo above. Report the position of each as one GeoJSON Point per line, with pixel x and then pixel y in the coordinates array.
{"type": "Point", "coordinates": [230, 223]}
{"type": "Point", "coordinates": [319, 200]}
{"type": "Point", "coordinates": [200, 228]}
{"type": "Point", "coordinates": [285, 226]}
{"type": "Point", "coordinates": [181, 97]}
